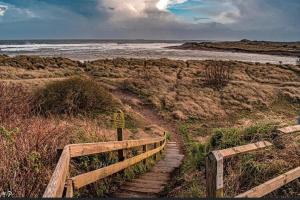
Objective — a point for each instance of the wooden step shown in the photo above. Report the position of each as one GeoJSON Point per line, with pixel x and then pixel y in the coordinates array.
{"type": "Point", "coordinates": [142, 190]}
{"type": "Point", "coordinates": [174, 165]}
{"type": "Point", "coordinates": [152, 183]}
{"type": "Point", "coordinates": [144, 181]}
{"type": "Point", "coordinates": [165, 170]}
{"type": "Point", "coordinates": [156, 176]}
{"type": "Point", "coordinates": [146, 184]}
{"type": "Point", "coordinates": [129, 194]}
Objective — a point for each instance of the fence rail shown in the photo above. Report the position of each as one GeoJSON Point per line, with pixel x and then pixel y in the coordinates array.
{"type": "Point", "coordinates": [60, 181]}
{"type": "Point", "coordinates": [214, 169]}
{"type": "Point", "coordinates": [214, 166]}
{"type": "Point", "coordinates": [272, 184]}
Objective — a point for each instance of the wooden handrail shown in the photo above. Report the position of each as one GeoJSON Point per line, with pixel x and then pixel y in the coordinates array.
{"type": "Point", "coordinates": [272, 184]}
{"type": "Point", "coordinates": [214, 166]}
{"type": "Point", "coordinates": [93, 176]}
{"type": "Point", "coordinates": [60, 177]}
{"type": "Point", "coordinates": [85, 149]}
{"type": "Point", "coordinates": [56, 185]}
{"type": "Point", "coordinates": [214, 169]}
{"type": "Point", "coordinates": [290, 129]}
{"type": "Point", "coordinates": [226, 153]}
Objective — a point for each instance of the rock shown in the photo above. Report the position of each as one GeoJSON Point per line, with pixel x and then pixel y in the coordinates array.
{"type": "Point", "coordinates": [179, 115]}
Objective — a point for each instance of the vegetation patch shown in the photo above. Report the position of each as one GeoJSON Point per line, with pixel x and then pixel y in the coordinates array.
{"type": "Point", "coordinates": [73, 96]}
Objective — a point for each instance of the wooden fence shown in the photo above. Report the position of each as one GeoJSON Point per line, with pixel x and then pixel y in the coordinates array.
{"type": "Point", "coordinates": [60, 182]}
{"type": "Point", "coordinates": [214, 169]}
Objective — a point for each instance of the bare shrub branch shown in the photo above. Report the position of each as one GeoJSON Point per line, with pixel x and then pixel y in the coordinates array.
{"type": "Point", "coordinates": [217, 76]}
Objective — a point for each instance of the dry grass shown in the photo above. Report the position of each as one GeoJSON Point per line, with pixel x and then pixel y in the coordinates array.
{"type": "Point", "coordinates": [254, 92]}
{"type": "Point", "coordinates": [179, 87]}
{"type": "Point", "coordinates": [217, 76]}
{"type": "Point", "coordinates": [28, 142]}
{"type": "Point", "coordinates": [246, 172]}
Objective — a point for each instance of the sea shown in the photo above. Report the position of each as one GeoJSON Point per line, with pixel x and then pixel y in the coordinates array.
{"type": "Point", "coordinates": [84, 50]}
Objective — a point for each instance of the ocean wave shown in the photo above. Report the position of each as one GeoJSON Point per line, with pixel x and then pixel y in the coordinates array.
{"type": "Point", "coordinates": [87, 46]}
{"type": "Point", "coordinates": [91, 51]}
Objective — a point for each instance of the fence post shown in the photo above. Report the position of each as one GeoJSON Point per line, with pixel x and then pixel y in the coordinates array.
{"type": "Point", "coordinates": [70, 189]}
{"type": "Point", "coordinates": [155, 155]}
{"type": "Point", "coordinates": [214, 175]}
{"type": "Point", "coordinates": [145, 149]}
{"type": "Point", "coordinates": [120, 138]}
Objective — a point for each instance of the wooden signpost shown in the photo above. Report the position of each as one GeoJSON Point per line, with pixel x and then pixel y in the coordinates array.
{"type": "Point", "coordinates": [119, 123]}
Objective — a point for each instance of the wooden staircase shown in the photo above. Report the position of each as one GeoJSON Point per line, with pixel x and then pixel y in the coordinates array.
{"type": "Point", "coordinates": [152, 183]}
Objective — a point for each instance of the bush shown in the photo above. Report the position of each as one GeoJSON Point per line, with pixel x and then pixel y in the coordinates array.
{"type": "Point", "coordinates": [73, 96]}
{"type": "Point", "coordinates": [14, 101]}
{"type": "Point", "coordinates": [217, 76]}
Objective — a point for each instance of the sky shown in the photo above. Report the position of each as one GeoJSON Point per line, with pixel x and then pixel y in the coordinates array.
{"type": "Point", "coordinates": [276, 20]}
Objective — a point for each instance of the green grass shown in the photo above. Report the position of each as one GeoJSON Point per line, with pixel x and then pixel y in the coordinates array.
{"type": "Point", "coordinates": [104, 187]}
{"type": "Point", "coordinates": [193, 165]}
{"type": "Point", "coordinates": [230, 137]}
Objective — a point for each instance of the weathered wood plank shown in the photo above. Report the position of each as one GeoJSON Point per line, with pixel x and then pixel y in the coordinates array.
{"type": "Point", "coordinates": [214, 175]}
{"type": "Point", "coordinates": [145, 149]}
{"type": "Point", "coordinates": [214, 166]}
{"type": "Point", "coordinates": [121, 152]}
{"type": "Point", "coordinates": [77, 150]}
{"type": "Point", "coordinates": [290, 129]}
{"type": "Point", "coordinates": [143, 190]}
{"type": "Point", "coordinates": [69, 191]}
{"type": "Point", "coordinates": [226, 153]}
{"type": "Point", "coordinates": [272, 184]}
{"type": "Point", "coordinates": [56, 185]}
{"type": "Point", "coordinates": [93, 176]}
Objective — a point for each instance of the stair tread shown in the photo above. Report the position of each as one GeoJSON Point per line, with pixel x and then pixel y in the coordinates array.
{"type": "Point", "coordinates": [153, 182]}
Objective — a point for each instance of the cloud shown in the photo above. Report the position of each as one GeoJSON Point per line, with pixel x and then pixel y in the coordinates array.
{"type": "Point", "coordinates": [11, 13]}
{"type": "Point", "coordinates": [2, 10]}
{"type": "Point", "coordinates": [163, 5]}
{"type": "Point", "coordinates": [153, 19]}
{"type": "Point", "coordinates": [126, 10]}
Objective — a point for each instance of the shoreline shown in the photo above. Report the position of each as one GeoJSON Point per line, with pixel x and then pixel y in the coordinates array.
{"type": "Point", "coordinates": [245, 46]}
{"type": "Point", "coordinates": [281, 54]}
{"type": "Point", "coordinates": [185, 56]}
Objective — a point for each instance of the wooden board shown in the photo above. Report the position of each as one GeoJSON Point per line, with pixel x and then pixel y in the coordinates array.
{"type": "Point", "coordinates": [77, 150]}
{"type": "Point", "coordinates": [290, 129]}
{"type": "Point", "coordinates": [226, 153]}
{"type": "Point", "coordinates": [152, 183]}
{"type": "Point", "coordinates": [214, 166]}
{"type": "Point", "coordinates": [56, 185]}
{"type": "Point", "coordinates": [271, 185]}
{"type": "Point", "coordinates": [93, 176]}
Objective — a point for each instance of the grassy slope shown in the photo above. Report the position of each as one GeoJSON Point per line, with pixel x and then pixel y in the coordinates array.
{"type": "Point", "coordinates": [268, 94]}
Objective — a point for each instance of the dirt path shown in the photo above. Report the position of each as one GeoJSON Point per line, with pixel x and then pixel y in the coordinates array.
{"type": "Point", "coordinates": [149, 115]}
{"type": "Point", "coordinates": [152, 183]}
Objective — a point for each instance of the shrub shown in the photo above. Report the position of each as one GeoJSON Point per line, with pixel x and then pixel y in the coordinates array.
{"type": "Point", "coordinates": [14, 101]}
{"type": "Point", "coordinates": [217, 75]}
{"type": "Point", "coordinates": [73, 96]}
